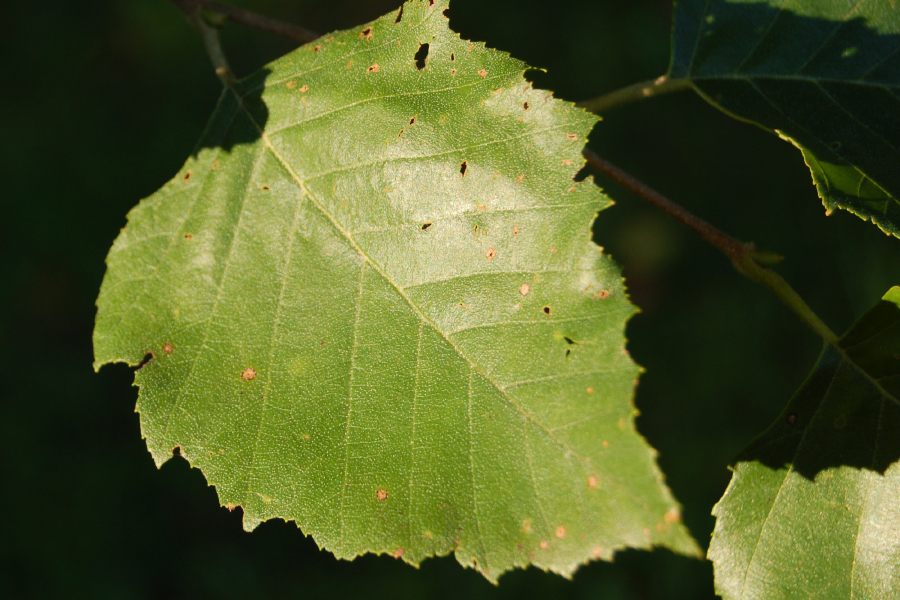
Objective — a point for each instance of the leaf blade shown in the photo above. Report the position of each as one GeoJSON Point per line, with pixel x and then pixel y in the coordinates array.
{"type": "Point", "coordinates": [379, 314]}
{"type": "Point", "coordinates": [825, 76]}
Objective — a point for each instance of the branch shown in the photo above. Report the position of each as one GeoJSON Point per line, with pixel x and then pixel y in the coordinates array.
{"type": "Point", "coordinates": [746, 258]}
{"type": "Point", "coordinates": [632, 93]}
{"type": "Point", "coordinates": [257, 21]}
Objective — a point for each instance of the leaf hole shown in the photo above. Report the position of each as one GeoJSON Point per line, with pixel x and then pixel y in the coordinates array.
{"type": "Point", "coordinates": [421, 55]}
{"type": "Point", "coordinates": [525, 106]}
{"type": "Point", "coordinates": [413, 121]}
{"type": "Point", "coordinates": [546, 310]}
{"type": "Point", "coordinates": [569, 340]}
{"type": "Point", "coordinates": [366, 33]}
{"type": "Point", "coordinates": [399, 16]}
{"type": "Point", "coordinates": [176, 451]}
{"type": "Point", "coordinates": [189, 236]}
{"type": "Point", "coordinates": [452, 57]}
{"type": "Point", "coordinates": [426, 226]}
{"type": "Point", "coordinates": [463, 168]}
{"type": "Point", "coordinates": [265, 188]}
{"type": "Point", "coordinates": [187, 177]}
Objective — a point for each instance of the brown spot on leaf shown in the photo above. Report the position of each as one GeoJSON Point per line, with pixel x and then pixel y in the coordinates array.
{"type": "Point", "coordinates": [660, 527]}
{"type": "Point", "coordinates": [590, 390]}
{"type": "Point", "coordinates": [593, 482]}
{"type": "Point", "coordinates": [305, 88]}
{"type": "Point", "coordinates": [606, 443]}
{"type": "Point", "coordinates": [317, 48]}
{"type": "Point", "coordinates": [399, 552]}
{"type": "Point", "coordinates": [265, 188]}
{"type": "Point", "coordinates": [491, 253]}
{"type": "Point", "coordinates": [290, 85]}
{"type": "Point", "coordinates": [572, 136]}
{"type": "Point", "coordinates": [463, 168]}
{"type": "Point", "coordinates": [382, 495]}
{"type": "Point", "coordinates": [366, 33]}
{"type": "Point", "coordinates": [426, 226]}
{"type": "Point", "coordinates": [373, 69]}
{"type": "Point", "coordinates": [526, 526]}
{"type": "Point", "coordinates": [524, 289]}
{"type": "Point", "coordinates": [167, 348]}
{"type": "Point", "coordinates": [187, 176]}
{"type": "Point", "coordinates": [521, 178]}
{"type": "Point", "coordinates": [673, 515]}
{"type": "Point", "coordinates": [249, 374]}
{"type": "Point", "coordinates": [188, 236]}
{"type": "Point", "coordinates": [544, 544]}
{"type": "Point", "coordinates": [601, 295]}
{"type": "Point", "coordinates": [525, 106]}
{"type": "Point", "coordinates": [597, 551]}
{"type": "Point", "coordinates": [413, 120]}
{"type": "Point", "coordinates": [515, 230]}
{"type": "Point", "coordinates": [350, 65]}
{"type": "Point", "coordinates": [546, 310]}
{"type": "Point", "coordinates": [215, 165]}
{"type": "Point", "coordinates": [482, 73]}
{"type": "Point", "coordinates": [567, 162]}
{"type": "Point", "coordinates": [561, 532]}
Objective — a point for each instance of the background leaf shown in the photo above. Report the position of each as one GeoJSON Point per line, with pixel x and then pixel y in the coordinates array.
{"type": "Point", "coordinates": [823, 75]}
{"type": "Point", "coordinates": [812, 508]}
{"type": "Point", "coordinates": [374, 309]}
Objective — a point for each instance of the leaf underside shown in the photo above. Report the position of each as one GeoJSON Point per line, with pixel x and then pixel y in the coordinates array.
{"type": "Point", "coordinates": [823, 75]}
{"type": "Point", "coordinates": [812, 509]}
{"type": "Point", "coordinates": [374, 309]}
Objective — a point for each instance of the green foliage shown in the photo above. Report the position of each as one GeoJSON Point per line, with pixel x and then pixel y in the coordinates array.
{"type": "Point", "coordinates": [812, 509]}
{"type": "Point", "coordinates": [823, 75]}
{"type": "Point", "coordinates": [374, 309]}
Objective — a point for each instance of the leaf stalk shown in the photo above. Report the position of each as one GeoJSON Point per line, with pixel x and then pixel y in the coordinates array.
{"type": "Point", "coordinates": [210, 37]}
{"type": "Point", "coordinates": [635, 92]}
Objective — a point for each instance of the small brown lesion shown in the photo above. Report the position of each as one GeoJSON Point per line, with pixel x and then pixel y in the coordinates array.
{"type": "Point", "coordinates": [399, 552]}
{"type": "Point", "coordinates": [490, 254]}
{"type": "Point", "coordinates": [189, 236]}
{"type": "Point", "coordinates": [187, 176]}
{"type": "Point", "coordinates": [381, 495]}
{"type": "Point", "coordinates": [482, 73]}
{"type": "Point", "coordinates": [373, 69]}
{"type": "Point", "coordinates": [249, 374]}
{"type": "Point", "coordinates": [168, 348]}
{"type": "Point", "coordinates": [366, 34]}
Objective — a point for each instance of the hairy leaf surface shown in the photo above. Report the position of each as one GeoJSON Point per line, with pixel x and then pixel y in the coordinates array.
{"type": "Point", "coordinates": [812, 510]}
{"type": "Point", "coordinates": [375, 309]}
{"type": "Point", "coordinates": [824, 75]}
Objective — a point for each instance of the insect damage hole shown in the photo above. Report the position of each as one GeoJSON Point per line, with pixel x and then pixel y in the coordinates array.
{"type": "Point", "coordinates": [366, 33]}
{"type": "Point", "coordinates": [463, 168]}
{"type": "Point", "coordinates": [421, 55]}
{"type": "Point", "coordinates": [525, 106]}
{"type": "Point", "coordinates": [426, 226]}
{"type": "Point", "coordinates": [546, 310]}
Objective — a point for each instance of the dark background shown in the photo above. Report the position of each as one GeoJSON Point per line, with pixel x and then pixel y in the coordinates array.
{"type": "Point", "coordinates": [102, 101]}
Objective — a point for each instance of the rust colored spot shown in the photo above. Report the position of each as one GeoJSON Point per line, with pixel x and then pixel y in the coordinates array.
{"type": "Point", "coordinates": [567, 162]}
{"type": "Point", "coordinates": [515, 230]}
{"type": "Point", "coordinates": [290, 85]}
{"type": "Point", "coordinates": [399, 552]}
{"type": "Point", "coordinates": [593, 482]}
{"type": "Point", "coordinates": [491, 253]}
{"type": "Point", "coordinates": [546, 310]}
{"type": "Point", "coordinates": [366, 33]}
{"type": "Point", "coordinates": [265, 188]}
{"type": "Point", "coordinates": [572, 189]}
{"type": "Point", "coordinates": [350, 65]}
{"type": "Point", "coordinates": [381, 495]}
{"type": "Point", "coordinates": [792, 419]}
{"type": "Point", "coordinates": [331, 39]}
{"type": "Point", "coordinates": [673, 515]}
{"type": "Point", "coordinates": [590, 390]}
{"type": "Point", "coordinates": [453, 73]}
{"type": "Point", "coordinates": [482, 73]}
{"type": "Point", "coordinates": [521, 178]}
{"type": "Point", "coordinates": [373, 69]}
{"type": "Point", "coordinates": [249, 374]}
{"type": "Point", "coordinates": [544, 544]}
{"type": "Point", "coordinates": [561, 532]}
{"type": "Point", "coordinates": [305, 88]}
{"type": "Point", "coordinates": [167, 348]}
{"type": "Point", "coordinates": [471, 47]}
{"type": "Point", "coordinates": [606, 443]}
{"type": "Point", "coordinates": [317, 48]}
{"type": "Point", "coordinates": [552, 249]}
{"type": "Point", "coordinates": [524, 289]}
{"type": "Point", "coordinates": [188, 236]}
{"type": "Point", "coordinates": [187, 177]}
{"type": "Point", "coordinates": [597, 552]}
{"type": "Point", "coordinates": [215, 165]}
{"type": "Point", "coordinates": [601, 295]}
{"type": "Point", "coordinates": [572, 136]}
{"type": "Point", "coordinates": [400, 135]}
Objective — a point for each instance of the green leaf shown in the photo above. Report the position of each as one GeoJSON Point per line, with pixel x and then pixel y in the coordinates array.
{"type": "Point", "coordinates": [374, 308]}
{"type": "Point", "coordinates": [823, 75]}
{"type": "Point", "coordinates": [812, 509]}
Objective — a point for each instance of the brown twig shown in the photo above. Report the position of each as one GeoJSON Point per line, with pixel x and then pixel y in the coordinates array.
{"type": "Point", "coordinates": [745, 257]}
{"type": "Point", "coordinates": [257, 21]}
